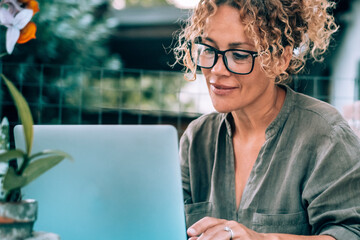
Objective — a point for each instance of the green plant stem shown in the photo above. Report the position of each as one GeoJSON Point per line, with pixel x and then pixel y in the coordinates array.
{"type": "Point", "coordinates": [13, 195]}
{"type": "Point", "coordinates": [23, 166]}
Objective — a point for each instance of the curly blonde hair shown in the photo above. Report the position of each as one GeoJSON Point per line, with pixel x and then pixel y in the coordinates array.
{"type": "Point", "coordinates": [304, 25]}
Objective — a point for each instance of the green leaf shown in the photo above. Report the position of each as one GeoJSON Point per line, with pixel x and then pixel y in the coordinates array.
{"type": "Point", "coordinates": [51, 152]}
{"type": "Point", "coordinates": [40, 166]}
{"type": "Point", "coordinates": [11, 154]}
{"type": "Point", "coordinates": [13, 181]}
{"type": "Point", "coordinates": [23, 112]}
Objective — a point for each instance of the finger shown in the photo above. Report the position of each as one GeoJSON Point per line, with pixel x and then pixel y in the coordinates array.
{"type": "Point", "coordinates": [221, 234]}
{"type": "Point", "coordinates": [217, 232]}
{"type": "Point", "coordinates": [202, 225]}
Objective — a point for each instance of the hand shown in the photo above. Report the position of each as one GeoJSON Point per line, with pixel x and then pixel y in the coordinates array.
{"type": "Point", "coordinates": [213, 228]}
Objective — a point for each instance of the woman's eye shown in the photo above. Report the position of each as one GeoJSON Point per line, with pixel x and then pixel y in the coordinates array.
{"type": "Point", "coordinates": [207, 51]}
{"type": "Point", "coordinates": [238, 56]}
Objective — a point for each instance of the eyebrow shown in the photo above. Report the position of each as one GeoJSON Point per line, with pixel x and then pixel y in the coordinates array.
{"type": "Point", "coordinates": [232, 45]}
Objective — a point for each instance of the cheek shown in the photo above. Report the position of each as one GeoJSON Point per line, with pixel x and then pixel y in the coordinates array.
{"type": "Point", "coordinates": [206, 73]}
{"type": "Point", "coordinates": [258, 71]}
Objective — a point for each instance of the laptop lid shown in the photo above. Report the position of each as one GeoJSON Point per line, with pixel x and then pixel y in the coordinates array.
{"type": "Point", "coordinates": [125, 182]}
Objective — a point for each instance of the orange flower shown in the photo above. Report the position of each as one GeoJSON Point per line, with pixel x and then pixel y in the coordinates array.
{"type": "Point", "coordinates": [33, 5]}
{"type": "Point", "coordinates": [27, 33]}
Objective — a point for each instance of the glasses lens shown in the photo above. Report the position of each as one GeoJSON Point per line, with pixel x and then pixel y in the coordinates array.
{"type": "Point", "coordinates": [203, 55]}
{"type": "Point", "coordinates": [239, 61]}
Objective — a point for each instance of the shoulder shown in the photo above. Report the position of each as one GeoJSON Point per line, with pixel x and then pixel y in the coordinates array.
{"type": "Point", "coordinates": [315, 124]}
{"type": "Point", "coordinates": [313, 105]}
{"type": "Point", "coordinates": [197, 144]}
{"type": "Point", "coordinates": [206, 124]}
{"type": "Point", "coordinates": [316, 114]}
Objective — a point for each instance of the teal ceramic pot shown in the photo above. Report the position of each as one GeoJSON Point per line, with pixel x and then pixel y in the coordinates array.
{"type": "Point", "coordinates": [17, 219]}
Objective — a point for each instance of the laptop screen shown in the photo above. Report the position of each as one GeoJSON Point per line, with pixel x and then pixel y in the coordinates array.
{"type": "Point", "coordinates": [124, 182]}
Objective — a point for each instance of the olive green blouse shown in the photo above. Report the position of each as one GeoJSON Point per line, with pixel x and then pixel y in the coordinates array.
{"type": "Point", "coordinates": [305, 181]}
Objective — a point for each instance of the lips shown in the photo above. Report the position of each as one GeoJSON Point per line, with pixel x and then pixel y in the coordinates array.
{"type": "Point", "coordinates": [220, 89]}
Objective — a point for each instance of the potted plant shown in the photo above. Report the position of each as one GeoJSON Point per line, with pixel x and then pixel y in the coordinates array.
{"type": "Point", "coordinates": [17, 216]}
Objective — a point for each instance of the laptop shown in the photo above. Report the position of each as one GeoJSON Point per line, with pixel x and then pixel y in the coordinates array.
{"type": "Point", "coordinates": [124, 182]}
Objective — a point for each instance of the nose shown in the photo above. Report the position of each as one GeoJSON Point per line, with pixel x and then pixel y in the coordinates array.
{"type": "Point", "coordinates": [219, 68]}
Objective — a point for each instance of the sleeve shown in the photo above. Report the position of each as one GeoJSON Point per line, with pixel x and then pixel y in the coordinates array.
{"type": "Point", "coordinates": [332, 191]}
{"type": "Point", "coordinates": [184, 163]}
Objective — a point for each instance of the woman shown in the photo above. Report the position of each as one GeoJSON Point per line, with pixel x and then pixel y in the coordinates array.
{"type": "Point", "coordinates": [272, 163]}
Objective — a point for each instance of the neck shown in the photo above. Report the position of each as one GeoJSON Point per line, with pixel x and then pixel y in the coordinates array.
{"type": "Point", "coordinates": [254, 120]}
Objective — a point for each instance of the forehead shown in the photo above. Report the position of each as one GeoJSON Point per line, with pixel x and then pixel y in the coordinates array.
{"type": "Point", "coordinates": [226, 26]}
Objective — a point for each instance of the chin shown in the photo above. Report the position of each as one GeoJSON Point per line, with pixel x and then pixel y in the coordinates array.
{"type": "Point", "coordinates": [222, 109]}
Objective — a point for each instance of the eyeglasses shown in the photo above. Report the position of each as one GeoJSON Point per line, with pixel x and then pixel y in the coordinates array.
{"type": "Point", "coordinates": [236, 61]}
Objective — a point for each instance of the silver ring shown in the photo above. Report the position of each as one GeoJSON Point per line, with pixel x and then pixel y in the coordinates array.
{"type": "Point", "coordinates": [230, 231]}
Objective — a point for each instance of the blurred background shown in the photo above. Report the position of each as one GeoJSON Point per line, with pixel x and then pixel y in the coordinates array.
{"type": "Point", "coordinates": [109, 62]}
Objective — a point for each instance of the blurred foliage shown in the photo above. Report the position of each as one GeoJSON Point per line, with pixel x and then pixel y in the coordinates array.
{"type": "Point", "coordinates": [72, 37]}
{"type": "Point", "coordinates": [70, 33]}
{"type": "Point", "coordinates": [111, 90]}
{"type": "Point", "coordinates": [146, 3]}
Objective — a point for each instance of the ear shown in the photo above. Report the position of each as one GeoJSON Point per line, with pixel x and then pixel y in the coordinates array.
{"type": "Point", "coordinates": [286, 57]}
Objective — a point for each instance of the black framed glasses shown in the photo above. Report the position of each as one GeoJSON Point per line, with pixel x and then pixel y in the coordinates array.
{"type": "Point", "coordinates": [236, 61]}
